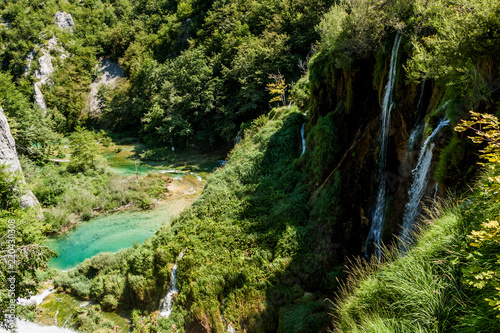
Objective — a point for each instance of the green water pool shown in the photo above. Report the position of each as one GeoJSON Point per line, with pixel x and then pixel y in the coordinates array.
{"type": "Point", "coordinates": [108, 233]}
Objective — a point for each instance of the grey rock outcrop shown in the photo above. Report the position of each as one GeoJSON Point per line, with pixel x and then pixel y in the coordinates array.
{"type": "Point", "coordinates": [64, 20]}
{"type": "Point", "coordinates": [8, 157]}
{"type": "Point", "coordinates": [45, 68]}
{"type": "Point", "coordinates": [109, 73]}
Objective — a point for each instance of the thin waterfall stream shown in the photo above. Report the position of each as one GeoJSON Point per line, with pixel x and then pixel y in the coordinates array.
{"type": "Point", "coordinates": [419, 184]}
{"type": "Point", "coordinates": [167, 303]}
{"type": "Point", "coordinates": [373, 240]}
{"type": "Point", "coordinates": [303, 138]}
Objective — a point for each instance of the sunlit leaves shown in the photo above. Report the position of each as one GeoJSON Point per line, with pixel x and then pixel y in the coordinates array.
{"type": "Point", "coordinates": [277, 88]}
{"type": "Point", "coordinates": [487, 130]}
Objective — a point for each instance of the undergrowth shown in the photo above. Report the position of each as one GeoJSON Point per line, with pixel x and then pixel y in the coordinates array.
{"type": "Point", "coordinates": [68, 198]}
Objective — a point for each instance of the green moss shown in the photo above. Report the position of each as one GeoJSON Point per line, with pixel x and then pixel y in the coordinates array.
{"type": "Point", "coordinates": [379, 72]}
{"type": "Point", "coordinates": [454, 163]}
{"type": "Point", "coordinates": [349, 95]}
{"type": "Point", "coordinates": [324, 142]}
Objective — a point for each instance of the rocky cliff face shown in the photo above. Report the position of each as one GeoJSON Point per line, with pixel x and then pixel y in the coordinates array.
{"type": "Point", "coordinates": [109, 73]}
{"type": "Point", "coordinates": [353, 98]}
{"type": "Point", "coordinates": [8, 156]}
{"type": "Point", "coordinates": [64, 21]}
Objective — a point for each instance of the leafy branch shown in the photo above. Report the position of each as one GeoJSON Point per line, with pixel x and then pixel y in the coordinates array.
{"type": "Point", "coordinates": [487, 130]}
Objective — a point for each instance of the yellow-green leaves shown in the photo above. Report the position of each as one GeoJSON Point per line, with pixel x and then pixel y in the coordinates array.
{"type": "Point", "coordinates": [277, 88]}
{"type": "Point", "coordinates": [487, 130]}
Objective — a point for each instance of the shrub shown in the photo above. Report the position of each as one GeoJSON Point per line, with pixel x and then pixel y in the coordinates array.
{"type": "Point", "coordinates": [84, 151]}
{"type": "Point", "coordinates": [109, 302]}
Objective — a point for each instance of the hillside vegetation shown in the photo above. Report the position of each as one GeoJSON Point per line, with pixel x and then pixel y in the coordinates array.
{"type": "Point", "coordinates": [268, 241]}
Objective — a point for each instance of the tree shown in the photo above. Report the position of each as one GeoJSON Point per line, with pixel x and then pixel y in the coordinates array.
{"type": "Point", "coordinates": [277, 88]}
{"type": "Point", "coordinates": [84, 151]}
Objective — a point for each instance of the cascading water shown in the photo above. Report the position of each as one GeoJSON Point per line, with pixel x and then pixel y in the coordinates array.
{"type": "Point", "coordinates": [303, 138]}
{"type": "Point", "coordinates": [373, 240]}
{"type": "Point", "coordinates": [229, 328]}
{"type": "Point", "coordinates": [166, 304]}
{"type": "Point", "coordinates": [421, 98]}
{"type": "Point", "coordinates": [37, 299]}
{"type": "Point", "coordinates": [419, 184]}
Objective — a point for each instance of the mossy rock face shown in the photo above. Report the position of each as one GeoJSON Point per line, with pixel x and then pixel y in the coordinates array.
{"type": "Point", "coordinates": [455, 164]}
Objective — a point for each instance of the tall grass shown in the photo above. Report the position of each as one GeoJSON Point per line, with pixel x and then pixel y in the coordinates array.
{"type": "Point", "coordinates": [422, 290]}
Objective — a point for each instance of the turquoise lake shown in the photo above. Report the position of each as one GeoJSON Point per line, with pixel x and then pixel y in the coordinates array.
{"type": "Point", "coordinates": [108, 233]}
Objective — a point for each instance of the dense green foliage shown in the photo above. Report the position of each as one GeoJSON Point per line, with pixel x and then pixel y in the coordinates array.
{"type": "Point", "coordinates": [21, 249]}
{"type": "Point", "coordinates": [33, 132]}
{"type": "Point", "coordinates": [83, 151]}
{"type": "Point", "coordinates": [248, 245]}
{"type": "Point", "coordinates": [195, 70]}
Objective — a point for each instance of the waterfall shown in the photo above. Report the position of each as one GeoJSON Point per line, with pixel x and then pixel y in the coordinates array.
{"type": "Point", "coordinates": [419, 184]}
{"type": "Point", "coordinates": [412, 140]}
{"type": "Point", "coordinates": [303, 139]}
{"type": "Point", "coordinates": [421, 97]}
{"type": "Point", "coordinates": [436, 189]}
{"type": "Point", "coordinates": [166, 304]}
{"type": "Point", "coordinates": [379, 213]}
{"type": "Point", "coordinates": [37, 299]}
{"type": "Point", "coordinates": [55, 317]}
{"type": "Point", "coordinates": [229, 328]}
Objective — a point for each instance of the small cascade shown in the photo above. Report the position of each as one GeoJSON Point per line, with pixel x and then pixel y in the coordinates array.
{"type": "Point", "coordinates": [55, 317]}
{"type": "Point", "coordinates": [436, 189]}
{"type": "Point", "coordinates": [229, 328]}
{"type": "Point", "coordinates": [166, 304]}
{"type": "Point", "coordinates": [414, 136]}
{"type": "Point", "coordinates": [37, 299]}
{"type": "Point", "coordinates": [374, 237]}
{"type": "Point", "coordinates": [412, 208]}
{"type": "Point", "coordinates": [303, 138]}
